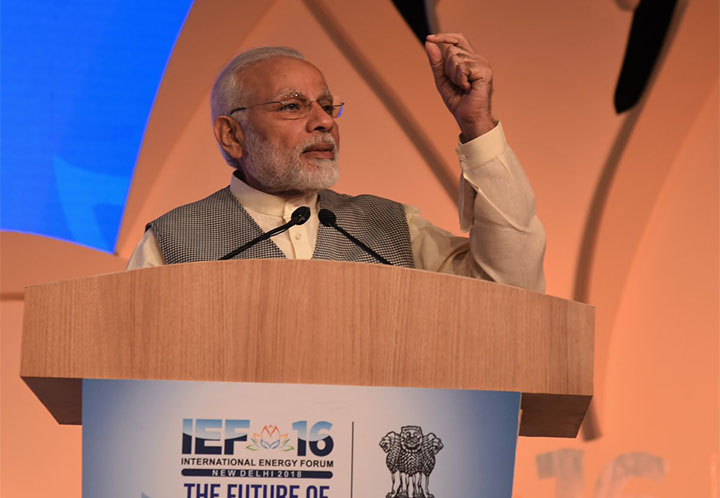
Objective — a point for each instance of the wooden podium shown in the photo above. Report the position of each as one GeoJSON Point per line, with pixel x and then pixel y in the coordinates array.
{"type": "Point", "coordinates": [330, 322]}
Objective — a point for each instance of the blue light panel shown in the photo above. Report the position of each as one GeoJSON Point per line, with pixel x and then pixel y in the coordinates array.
{"type": "Point", "coordinates": [77, 83]}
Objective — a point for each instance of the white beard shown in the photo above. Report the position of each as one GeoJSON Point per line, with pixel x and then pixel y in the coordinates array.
{"type": "Point", "coordinates": [279, 169]}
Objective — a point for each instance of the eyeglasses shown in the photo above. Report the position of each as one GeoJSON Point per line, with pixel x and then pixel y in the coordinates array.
{"type": "Point", "coordinates": [296, 106]}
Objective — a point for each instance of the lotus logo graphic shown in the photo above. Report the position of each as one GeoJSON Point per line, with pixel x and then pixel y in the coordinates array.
{"type": "Point", "coordinates": [270, 439]}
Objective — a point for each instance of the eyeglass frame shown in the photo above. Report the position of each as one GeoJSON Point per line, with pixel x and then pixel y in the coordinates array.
{"type": "Point", "coordinates": [338, 107]}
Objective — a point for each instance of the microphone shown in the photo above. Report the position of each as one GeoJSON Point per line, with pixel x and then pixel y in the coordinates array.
{"type": "Point", "coordinates": [329, 219]}
{"type": "Point", "coordinates": [298, 217]}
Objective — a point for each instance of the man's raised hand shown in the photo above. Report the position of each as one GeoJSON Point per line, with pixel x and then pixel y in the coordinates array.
{"type": "Point", "coordinates": [464, 80]}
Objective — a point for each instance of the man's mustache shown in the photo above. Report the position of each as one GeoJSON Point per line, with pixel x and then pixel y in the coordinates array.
{"type": "Point", "coordinates": [325, 142]}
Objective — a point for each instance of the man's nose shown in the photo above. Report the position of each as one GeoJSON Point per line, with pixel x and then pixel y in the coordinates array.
{"type": "Point", "coordinates": [318, 119]}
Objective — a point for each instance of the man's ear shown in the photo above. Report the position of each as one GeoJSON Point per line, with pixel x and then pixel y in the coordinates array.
{"type": "Point", "coordinates": [229, 136]}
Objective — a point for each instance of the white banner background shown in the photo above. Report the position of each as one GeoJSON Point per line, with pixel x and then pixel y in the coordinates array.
{"type": "Point", "coordinates": [133, 433]}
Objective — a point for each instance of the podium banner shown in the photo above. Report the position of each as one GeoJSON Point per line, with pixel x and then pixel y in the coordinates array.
{"type": "Point", "coordinates": [173, 439]}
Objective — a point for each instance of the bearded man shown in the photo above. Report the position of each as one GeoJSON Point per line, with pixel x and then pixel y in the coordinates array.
{"type": "Point", "coordinates": [275, 123]}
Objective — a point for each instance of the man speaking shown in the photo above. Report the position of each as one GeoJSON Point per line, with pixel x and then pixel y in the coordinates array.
{"type": "Point", "coordinates": [275, 121]}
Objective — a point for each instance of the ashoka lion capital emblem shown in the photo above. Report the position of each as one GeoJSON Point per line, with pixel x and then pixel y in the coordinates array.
{"type": "Point", "coordinates": [410, 457]}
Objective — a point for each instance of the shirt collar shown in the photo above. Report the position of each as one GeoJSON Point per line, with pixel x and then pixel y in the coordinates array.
{"type": "Point", "coordinates": [269, 204]}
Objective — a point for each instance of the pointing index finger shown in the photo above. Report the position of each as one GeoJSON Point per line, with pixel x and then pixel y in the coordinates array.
{"type": "Point", "coordinates": [456, 39]}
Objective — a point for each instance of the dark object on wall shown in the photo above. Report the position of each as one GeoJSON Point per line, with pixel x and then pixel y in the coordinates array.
{"type": "Point", "coordinates": [419, 15]}
{"type": "Point", "coordinates": [647, 34]}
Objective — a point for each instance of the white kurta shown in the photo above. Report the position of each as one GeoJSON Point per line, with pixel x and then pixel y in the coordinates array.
{"type": "Point", "coordinates": [496, 204]}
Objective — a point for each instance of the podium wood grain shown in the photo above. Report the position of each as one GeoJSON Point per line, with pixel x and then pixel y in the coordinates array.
{"type": "Point", "coordinates": [311, 322]}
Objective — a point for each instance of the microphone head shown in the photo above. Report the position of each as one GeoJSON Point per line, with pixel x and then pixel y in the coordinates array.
{"type": "Point", "coordinates": [327, 217]}
{"type": "Point", "coordinates": [300, 215]}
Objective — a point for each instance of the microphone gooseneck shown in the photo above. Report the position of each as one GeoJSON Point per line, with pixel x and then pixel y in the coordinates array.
{"type": "Point", "coordinates": [329, 219]}
{"type": "Point", "coordinates": [298, 217]}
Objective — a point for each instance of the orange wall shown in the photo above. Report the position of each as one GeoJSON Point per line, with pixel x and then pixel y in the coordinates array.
{"type": "Point", "coordinates": [654, 278]}
{"type": "Point", "coordinates": [661, 390]}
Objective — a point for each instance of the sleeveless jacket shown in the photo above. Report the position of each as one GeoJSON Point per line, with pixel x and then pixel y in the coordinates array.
{"type": "Point", "coordinates": [208, 229]}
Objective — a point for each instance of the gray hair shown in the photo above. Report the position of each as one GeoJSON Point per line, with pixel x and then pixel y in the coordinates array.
{"type": "Point", "coordinates": [227, 92]}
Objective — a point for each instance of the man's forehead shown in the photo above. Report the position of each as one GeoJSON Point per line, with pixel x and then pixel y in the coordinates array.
{"type": "Point", "coordinates": [282, 76]}
{"type": "Point", "coordinates": [297, 92]}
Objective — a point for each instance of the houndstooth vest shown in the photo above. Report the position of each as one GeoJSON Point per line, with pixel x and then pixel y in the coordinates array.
{"type": "Point", "coordinates": [208, 229]}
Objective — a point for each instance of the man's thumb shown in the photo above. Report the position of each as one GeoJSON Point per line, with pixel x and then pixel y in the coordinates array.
{"type": "Point", "coordinates": [434, 57]}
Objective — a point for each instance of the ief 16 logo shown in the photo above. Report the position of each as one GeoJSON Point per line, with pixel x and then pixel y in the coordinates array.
{"type": "Point", "coordinates": [214, 436]}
